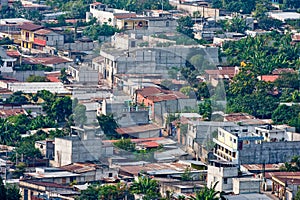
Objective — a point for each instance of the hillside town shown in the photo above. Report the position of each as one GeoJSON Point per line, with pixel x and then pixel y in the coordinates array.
{"type": "Point", "coordinates": [150, 100]}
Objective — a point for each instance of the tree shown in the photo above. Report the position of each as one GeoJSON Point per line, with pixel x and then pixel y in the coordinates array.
{"type": "Point", "coordinates": [186, 176]}
{"type": "Point", "coordinates": [13, 192]}
{"type": "Point", "coordinates": [236, 24]}
{"type": "Point", "coordinates": [205, 110]}
{"type": "Point", "coordinates": [63, 77]}
{"type": "Point", "coordinates": [96, 30]}
{"type": "Point", "coordinates": [208, 193]}
{"type": "Point", "coordinates": [34, 78]}
{"type": "Point", "coordinates": [2, 189]}
{"type": "Point", "coordinates": [17, 98]}
{"type": "Point", "coordinates": [79, 115]}
{"type": "Point", "coordinates": [145, 186]}
{"type": "Point", "coordinates": [117, 192]}
{"type": "Point", "coordinates": [26, 151]}
{"type": "Point", "coordinates": [108, 125]}
{"type": "Point", "coordinates": [125, 144]}
{"type": "Point", "coordinates": [185, 25]}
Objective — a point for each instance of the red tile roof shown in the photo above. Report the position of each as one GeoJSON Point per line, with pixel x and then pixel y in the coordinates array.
{"type": "Point", "coordinates": [157, 94]}
{"type": "Point", "coordinates": [150, 144]}
{"type": "Point", "coordinates": [96, 3]}
{"type": "Point", "coordinates": [269, 78]}
{"type": "Point", "coordinates": [296, 37]}
{"type": "Point", "coordinates": [285, 177]}
{"type": "Point", "coordinates": [43, 32]}
{"type": "Point", "coordinates": [13, 53]}
{"type": "Point", "coordinates": [137, 129]}
{"type": "Point", "coordinates": [136, 140]}
{"type": "Point", "coordinates": [233, 117]}
{"type": "Point", "coordinates": [53, 76]}
{"type": "Point", "coordinates": [46, 60]}
{"type": "Point", "coordinates": [30, 27]}
{"type": "Point", "coordinates": [11, 112]}
{"type": "Point", "coordinates": [79, 167]}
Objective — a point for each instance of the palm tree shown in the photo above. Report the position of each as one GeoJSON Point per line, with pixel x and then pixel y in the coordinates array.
{"type": "Point", "coordinates": [208, 193]}
{"type": "Point", "coordinates": [145, 186]}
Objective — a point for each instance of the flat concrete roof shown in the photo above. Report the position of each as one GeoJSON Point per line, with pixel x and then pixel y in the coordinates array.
{"type": "Point", "coordinates": [251, 196]}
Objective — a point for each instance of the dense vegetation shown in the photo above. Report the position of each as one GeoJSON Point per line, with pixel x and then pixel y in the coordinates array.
{"type": "Point", "coordinates": [95, 31]}
{"type": "Point", "coordinates": [57, 113]}
{"type": "Point", "coordinates": [260, 56]}
{"type": "Point", "coordinates": [9, 192]}
{"type": "Point", "coordinates": [248, 6]}
{"type": "Point", "coordinates": [138, 5]}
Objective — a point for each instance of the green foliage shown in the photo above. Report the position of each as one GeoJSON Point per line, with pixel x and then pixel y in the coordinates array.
{"type": "Point", "coordinates": [108, 125]}
{"type": "Point", "coordinates": [297, 197]}
{"type": "Point", "coordinates": [9, 192]}
{"type": "Point", "coordinates": [243, 6]}
{"type": "Point", "coordinates": [34, 78]}
{"type": "Point", "coordinates": [294, 23]}
{"type": "Point", "coordinates": [125, 144]}
{"type": "Point", "coordinates": [267, 23]}
{"type": "Point", "coordinates": [57, 108]}
{"type": "Point", "coordinates": [38, 67]}
{"type": "Point", "coordinates": [292, 166]}
{"type": "Point", "coordinates": [63, 77]}
{"type": "Point", "coordinates": [17, 98]}
{"type": "Point", "coordinates": [186, 176]}
{"type": "Point", "coordinates": [260, 56]}
{"type": "Point", "coordinates": [97, 30]}
{"type": "Point", "coordinates": [185, 26]}
{"type": "Point", "coordinates": [187, 90]}
{"type": "Point", "coordinates": [26, 151]}
{"type": "Point", "coordinates": [205, 110]}
{"type": "Point", "coordinates": [12, 192]}
{"type": "Point", "coordinates": [264, 52]}
{"type": "Point", "coordinates": [236, 24]}
{"type": "Point", "coordinates": [6, 41]}
{"type": "Point", "coordinates": [294, 4]}
{"type": "Point", "coordinates": [103, 192]}
{"type": "Point", "coordinates": [208, 193]}
{"type": "Point", "coordinates": [138, 5]}
{"type": "Point", "coordinates": [145, 186]}
{"type": "Point", "coordinates": [287, 115]}
{"type": "Point", "coordinates": [2, 189]}
{"type": "Point", "coordinates": [20, 169]}
{"type": "Point", "coordinates": [79, 115]}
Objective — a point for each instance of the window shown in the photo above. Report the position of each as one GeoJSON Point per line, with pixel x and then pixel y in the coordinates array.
{"type": "Point", "coordinates": [167, 24]}
{"type": "Point", "coordinates": [64, 181]}
{"type": "Point", "coordinates": [225, 180]}
{"type": "Point", "coordinates": [234, 140]}
{"type": "Point", "coordinates": [233, 154]}
{"type": "Point", "coordinates": [110, 174]}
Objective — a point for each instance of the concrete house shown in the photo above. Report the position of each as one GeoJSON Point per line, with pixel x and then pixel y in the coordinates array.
{"type": "Point", "coordinates": [27, 34]}
{"type": "Point", "coordinates": [85, 144]}
{"type": "Point", "coordinates": [46, 37]}
{"type": "Point", "coordinates": [241, 145]}
{"type": "Point", "coordinates": [106, 15]}
{"type": "Point", "coordinates": [6, 62]}
{"type": "Point", "coordinates": [162, 101]}
{"type": "Point", "coordinates": [11, 28]}
{"type": "Point", "coordinates": [199, 135]}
